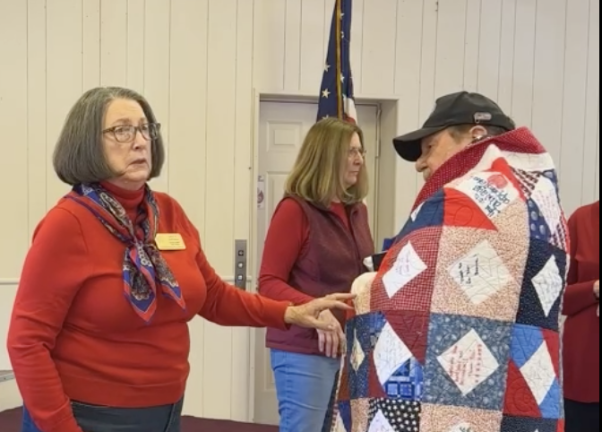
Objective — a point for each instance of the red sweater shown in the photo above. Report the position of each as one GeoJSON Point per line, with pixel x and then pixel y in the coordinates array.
{"type": "Point", "coordinates": [581, 345]}
{"type": "Point", "coordinates": [73, 335]}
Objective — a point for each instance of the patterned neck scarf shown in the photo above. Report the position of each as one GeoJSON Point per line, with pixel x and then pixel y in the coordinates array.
{"type": "Point", "coordinates": [144, 269]}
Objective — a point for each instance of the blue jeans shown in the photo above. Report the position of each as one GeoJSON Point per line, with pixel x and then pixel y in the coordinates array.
{"type": "Point", "coordinates": [93, 418]}
{"type": "Point", "coordinates": [304, 386]}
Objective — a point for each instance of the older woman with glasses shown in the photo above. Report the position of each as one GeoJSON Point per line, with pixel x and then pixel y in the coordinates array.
{"type": "Point", "coordinates": [99, 336]}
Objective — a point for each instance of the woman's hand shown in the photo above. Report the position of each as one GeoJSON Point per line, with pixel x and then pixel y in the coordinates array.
{"type": "Point", "coordinates": [330, 340]}
{"type": "Point", "coordinates": [308, 314]}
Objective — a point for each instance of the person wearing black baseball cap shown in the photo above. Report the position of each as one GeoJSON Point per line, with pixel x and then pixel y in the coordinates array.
{"type": "Point", "coordinates": [458, 330]}
{"type": "Point", "coordinates": [458, 120]}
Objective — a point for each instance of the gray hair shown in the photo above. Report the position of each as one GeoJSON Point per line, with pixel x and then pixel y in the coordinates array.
{"type": "Point", "coordinates": [458, 132]}
{"type": "Point", "coordinates": [79, 156]}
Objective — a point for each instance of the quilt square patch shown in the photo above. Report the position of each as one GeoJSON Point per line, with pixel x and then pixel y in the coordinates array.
{"type": "Point", "coordinates": [412, 328]}
{"type": "Point", "coordinates": [538, 226]}
{"type": "Point", "coordinates": [527, 180]}
{"type": "Point", "coordinates": [361, 407]}
{"type": "Point", "coordinates": [477, 274]}
{"type": "Point", "coordinates": [405, 280]}
{"type": "Point", "coordinates": [361, 415]}
{"type": "Point", "coordinates": [342, 420]}
{"type": "Point", "coordinates": [399, 354]}
{"type": "Point", "coordinates": [462, 212]}
{"type": "Point", "coordinates": [546, 223]}
{"type": "Point", "coordinates": [544, 198]}
{"type": "Point", "coordinates": [533, 388]}
{"type": "Point", "coordinates": [389, 415]}
{"type": "Point", "coordinates": [428, 214]}
{"type": "Point", "coordinates": [543, 286]}
{"type": "Point", "coordinates": [491, 191]}
{"type": "Point", "coordinates": [514, 221]}
{"type": "Point", "coordinates": [521, 424]}
{"type": "Point", "coordinates": [467, 362]}
{"type": "Point", "coordinates": [361, 383]}
{"type": "Point", "coordinates": [458, 419]}
{"type": "Point", "coordinates": [362, 332]}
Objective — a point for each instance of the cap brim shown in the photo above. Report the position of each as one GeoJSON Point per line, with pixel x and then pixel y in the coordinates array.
{"type": "Point", "coordinates": [409, 146]}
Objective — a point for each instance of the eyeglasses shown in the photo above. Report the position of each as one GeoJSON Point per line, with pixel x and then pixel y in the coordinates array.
{"type": "Point", "coordinates": [355, 152]}
{"type": "Point", "coordinates": [127, 133]}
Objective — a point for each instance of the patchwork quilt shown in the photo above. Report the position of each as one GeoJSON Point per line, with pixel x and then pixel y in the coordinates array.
{"type": "Point", "coordinates": [459, 329]}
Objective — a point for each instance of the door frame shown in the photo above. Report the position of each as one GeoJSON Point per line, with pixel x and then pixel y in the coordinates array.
{"type": "Point", "coordinates": [388, 209]}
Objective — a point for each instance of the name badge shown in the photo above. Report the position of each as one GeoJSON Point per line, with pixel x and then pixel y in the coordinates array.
{"type": "Point", "coordinates": [170, 242]}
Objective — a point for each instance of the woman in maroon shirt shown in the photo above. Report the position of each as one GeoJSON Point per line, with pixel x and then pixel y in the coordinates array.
{"type": "Point", "coordinates": [316, 243]}
{"type": "Point", "coordinates": [581, 347]}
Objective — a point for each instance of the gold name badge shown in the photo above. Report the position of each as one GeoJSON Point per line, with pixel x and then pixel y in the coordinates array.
{"type": "Point", "coordinates": [170, 242]}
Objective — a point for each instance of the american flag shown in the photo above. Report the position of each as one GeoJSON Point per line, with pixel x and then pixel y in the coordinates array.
{"type": "Point", "coordinates": [336, 91]}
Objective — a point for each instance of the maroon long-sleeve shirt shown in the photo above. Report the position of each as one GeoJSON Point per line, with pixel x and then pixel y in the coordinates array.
{"type": "Point", "coordinates": [581, 347]}
{"type": "Point", "coordinates": [311, 251]}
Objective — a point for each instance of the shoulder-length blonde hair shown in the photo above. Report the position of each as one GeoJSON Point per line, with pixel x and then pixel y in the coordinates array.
{"type": "Point", "coordinates": [317, 174]}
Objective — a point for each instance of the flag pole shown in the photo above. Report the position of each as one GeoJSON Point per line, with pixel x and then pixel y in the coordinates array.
{"type": "Point", "coordinates": [339, 72]}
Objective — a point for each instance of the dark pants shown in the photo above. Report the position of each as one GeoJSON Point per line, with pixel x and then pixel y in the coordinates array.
{"type": "Point", "coordinates": [581, 417]}
{"type": "Point", "coordinates": [92, 418]}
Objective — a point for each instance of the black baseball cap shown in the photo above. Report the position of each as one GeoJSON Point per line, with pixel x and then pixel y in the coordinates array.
{"type": "Point", "coordinates": [456, 109]}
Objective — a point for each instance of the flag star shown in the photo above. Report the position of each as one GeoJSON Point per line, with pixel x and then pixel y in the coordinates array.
{"type": "Point", "coordinates": [325, 93]}
{"type": "Point", "coordinates": [326, 67]}
{"type": "Point", "coordinates": [342, 78]}
{"type": "Point", "coordinates": [342, 35]}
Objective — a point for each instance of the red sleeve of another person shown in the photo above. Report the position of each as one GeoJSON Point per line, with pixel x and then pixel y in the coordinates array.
{"type": "Point", "coordinates": [579, 294]}
{"type": "Point", "coordinates": [285, 243]}
{"type": "Point", "coordinates": [56, 266]}
{"type": "Point", "coordinates": [228, 305]}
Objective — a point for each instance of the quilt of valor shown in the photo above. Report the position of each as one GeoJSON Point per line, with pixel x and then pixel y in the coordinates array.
{"type": "Point", "coordinates": [459, 329]}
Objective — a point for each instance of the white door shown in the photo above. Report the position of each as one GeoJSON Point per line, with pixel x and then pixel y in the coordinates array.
{"type": "Point", "coordinates": [282, 127]}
